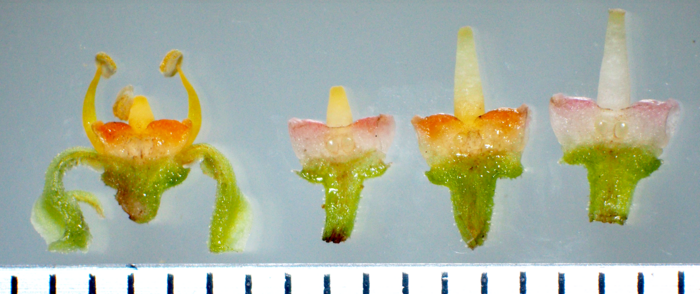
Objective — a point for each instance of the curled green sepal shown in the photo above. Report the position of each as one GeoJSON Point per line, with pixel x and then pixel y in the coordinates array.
{"type": "Point", "coordinates": [232, 217]}
{"type": "Point", "coordinates": [472, 184]}
{"type": "Point", "coordinates": [343, 184]}
{"type": "Point", "coordinates": [613, 174]}
{"type": "Point", "coordinates": [56, 214]}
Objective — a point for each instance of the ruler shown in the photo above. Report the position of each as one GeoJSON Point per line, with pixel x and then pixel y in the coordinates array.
{"type": "Point", "coordinates": [353, 278]}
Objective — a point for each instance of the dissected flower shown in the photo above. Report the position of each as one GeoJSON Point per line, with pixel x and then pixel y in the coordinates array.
{"type": "Point", "coordinates": [140, 159]}
{"type": "Point", "coordinates": [341, 154]}
{"type": "Point", "coordinates": [617, 142]}
{"type": "Point", "coordinates": [469, 151]}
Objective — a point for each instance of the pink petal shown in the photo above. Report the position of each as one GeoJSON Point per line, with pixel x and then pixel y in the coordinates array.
{"type": "Point", "coordinates": [652, 122]}
{"type": "Point", "coordinates": [579, 121]}
{"type": "Point", "coordinates": [310, 139]}
{"type": "Point", "coordinates": [573, 119]}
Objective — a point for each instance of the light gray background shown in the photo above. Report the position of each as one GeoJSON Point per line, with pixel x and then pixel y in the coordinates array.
{"type": "Point", "coordinates": [257, 65]}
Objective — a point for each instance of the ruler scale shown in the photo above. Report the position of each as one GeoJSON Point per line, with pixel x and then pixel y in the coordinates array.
{"type": "Point", "coordinates": [339, 279]}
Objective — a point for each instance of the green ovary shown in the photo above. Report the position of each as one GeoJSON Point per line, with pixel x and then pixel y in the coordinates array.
{"type": "Point", "coordinates": [472, 184]}
{"type": "Point", "coordinates": [613, 173]}
{"type": "Point", "coordinates": [343, 184]}
{"type": "Point", "coordinates": [140, 185]}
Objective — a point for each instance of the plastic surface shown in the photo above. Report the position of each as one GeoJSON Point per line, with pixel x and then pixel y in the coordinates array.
{"type": "Point", "coordinates": [256, 65]}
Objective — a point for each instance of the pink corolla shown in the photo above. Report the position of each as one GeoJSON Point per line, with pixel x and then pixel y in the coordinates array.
{"type": "Point", "coordinates": [617, 142]}
{"type": "Point", "coordinates": [341, 154]}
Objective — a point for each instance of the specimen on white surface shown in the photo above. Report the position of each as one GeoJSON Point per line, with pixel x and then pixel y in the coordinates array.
{"type": "Point", "coordinates": [341, 154]}
{"type": "Point", "coordinates": [140, 159]}
{"type": "Point", "coordinates": [617, 142]}
{"type": "Point", "coordinates": [469, 151]}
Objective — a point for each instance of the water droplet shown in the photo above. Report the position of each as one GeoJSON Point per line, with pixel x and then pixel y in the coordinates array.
{"type": "Point", "coordinates": [348, 144]}
{"type": "Point", "coordinates": [332, 145]}
{"type": "Point", "coordinates": [621, 130]}
{"type": "Point", "coordinates": [602, 126]}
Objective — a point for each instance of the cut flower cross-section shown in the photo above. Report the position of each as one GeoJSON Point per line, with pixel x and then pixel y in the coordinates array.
{"type": "Point", "coordinates": [140, 159]}
{"type": "Point", "coordinates": [341, 154]}
{"type": "Point", "coordinates": [469, 151]}
{"type": "Point", "coordinates": [617, 142]}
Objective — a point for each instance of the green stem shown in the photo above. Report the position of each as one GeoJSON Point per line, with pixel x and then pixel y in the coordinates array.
{"type": "Point", "coordinates": [56, 215]}
{"type": "Point", "coordinates": [613, 174]}
{"type": "Point", "coordinates": [232, 217]}
{"type": "Point", "coordinates": [472, 202]}
{"type": "Point", "coordinates": [343, 182]}
{"type": "Point", "coordinates": [472, 183]}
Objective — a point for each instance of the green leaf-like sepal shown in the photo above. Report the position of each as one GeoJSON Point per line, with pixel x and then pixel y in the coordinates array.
{"type": "Point", "coordinates": [56, 214]}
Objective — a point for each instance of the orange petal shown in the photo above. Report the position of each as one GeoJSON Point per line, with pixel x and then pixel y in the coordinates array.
{"type": "Point", "coordinates": [160, 138]}
{"type": "Point", "coordinates": [443, 136]}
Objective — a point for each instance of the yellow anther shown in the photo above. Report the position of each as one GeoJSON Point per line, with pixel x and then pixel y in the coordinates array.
{"type": "Point", "coordinates": [140, 114]}
{"type": "Point", "coordinates": [338, 113]}
{"type": "Point", "coordinates": [469, 97]}
{"type": "Point", "coordinates": [170, 63]}
{"type": "Point", "coordinates": [170, 66]}
{"type": "Point", "coordinates": [122, 106]}
{"type": "Point", "coordinates": [106, 63]}
{"type": "Point", "coordinates": [106, 68]}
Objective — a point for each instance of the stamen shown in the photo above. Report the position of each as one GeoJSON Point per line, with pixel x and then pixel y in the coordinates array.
{"type": "Point", "coordinates": [338, 113]}
{"type": "Point", "coordinates": [469, 97]}
{"type": "Point", "coordinates": [170, 66]}
{"type": "Point", "coordinates": [106, 68]}
{"type": "Point", "coordinates": [122, 106]}
{"type": "Point", "coordinates": [614, 83]}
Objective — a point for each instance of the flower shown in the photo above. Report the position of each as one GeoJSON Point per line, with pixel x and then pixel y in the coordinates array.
{"type": "Point", "coordinates": [143, 138]}
{"type": "Point", "coordinates": [140, 159]}
{"type": "Point", "coordinates": [617, 142]}
{"type": "Point", "coordinates": [341, 155]}
{"type": "Point", "coordinates": [469, 151]}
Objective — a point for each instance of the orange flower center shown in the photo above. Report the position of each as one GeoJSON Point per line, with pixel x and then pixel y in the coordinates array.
{"type": "Point", "coordinates": [161, 138]}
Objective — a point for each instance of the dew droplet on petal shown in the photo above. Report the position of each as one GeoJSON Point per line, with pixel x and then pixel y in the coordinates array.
{"type": "Point", "coordinates": [332, 145]}
{"type": "Point", "coordinates": [602, 126]}
{"type": "Point", "coordinates": [621, 130]}
{"type": "Point", "coordinates": [347, 144]}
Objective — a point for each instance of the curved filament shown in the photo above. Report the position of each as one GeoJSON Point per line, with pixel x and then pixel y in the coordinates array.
{"type": "Point", "coordinates": [170, 66]}
{"type": "Point", "coordinates": [105, 67]}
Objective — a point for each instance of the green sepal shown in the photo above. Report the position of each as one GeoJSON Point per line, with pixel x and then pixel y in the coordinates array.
{"type": "Point", "coordinates": [472, 184]}
{"type": "Point", "coordinates": [56, 215]}
{"type": "Point", "coordinates": [343, 182]}
{"type": "Point", "coordinates": [613, 174]}
{"type": "Point", "coordinates": [232, 216]}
